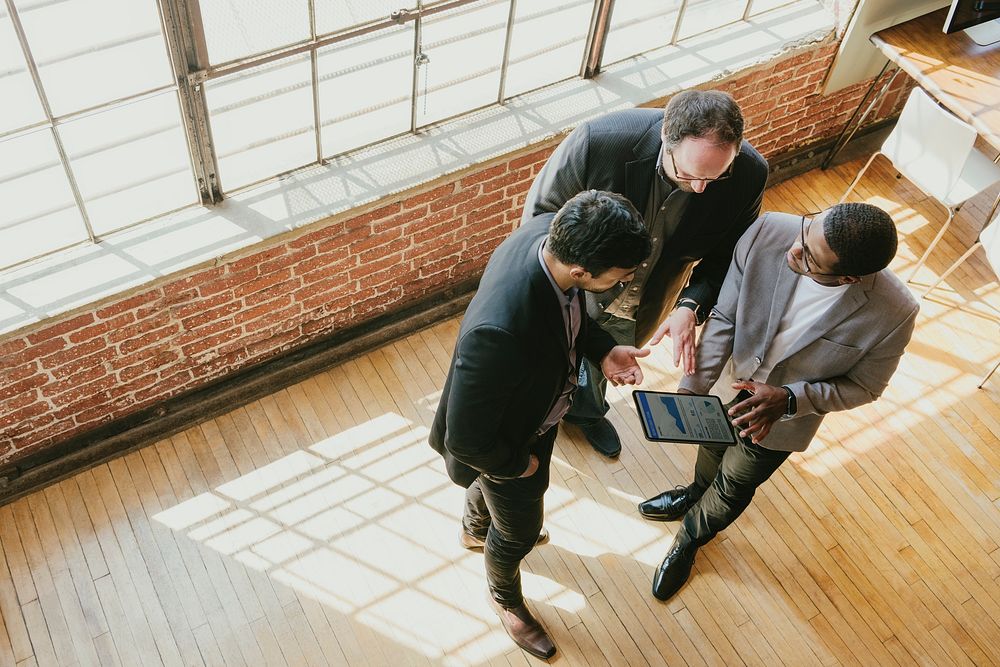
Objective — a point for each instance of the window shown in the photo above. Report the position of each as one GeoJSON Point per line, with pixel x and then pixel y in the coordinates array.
{"type": "Point", "coordinates": [106, 124]}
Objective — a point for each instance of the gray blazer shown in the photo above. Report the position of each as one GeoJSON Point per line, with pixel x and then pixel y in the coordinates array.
{"type": "Point", "coordinates": [843, 361]}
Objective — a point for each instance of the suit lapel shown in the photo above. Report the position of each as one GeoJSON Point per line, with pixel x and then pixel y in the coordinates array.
{"type": "Point", "coordinates": [639, 172]}
{"type": "Point", "coordinates": [850, 301]}
{"type": "Point", "coordinates": [545, 296]}
{"type": "Point", "coordinates": [783, 288]}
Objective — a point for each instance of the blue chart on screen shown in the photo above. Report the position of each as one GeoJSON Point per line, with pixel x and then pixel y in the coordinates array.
{"type": "Point", "coordinates": [671, 405]}
{"type": "Point", "coordinates": [683, 418]}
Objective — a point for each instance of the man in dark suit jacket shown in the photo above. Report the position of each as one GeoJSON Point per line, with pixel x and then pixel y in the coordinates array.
{"type": "Point", "coordinates": [513, 376]}
{"type": "Point", "coordinates": [809, 322]}
{"type": "Point", "coordinates": [698, 185]}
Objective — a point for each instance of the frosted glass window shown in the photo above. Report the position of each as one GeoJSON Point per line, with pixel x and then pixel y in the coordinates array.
{"type": "Point", "coordinates": [130, 162]}
{"type": "Point", "coordinates": [21, 105]}
{"type": "Point", "coordinates": [639, 26]}
{"type": "Point", "coordinates": [364, 87]}
{"type": "Point", "coordinates": [262, 121]}
{"type": "Point", "coordinates": [333, 15]}
{"type": "Point", "coordinates": [704, 15]}
{"type": "Point", "coordinates": [465, 47]}
{"type": "Point", "coordinates": [89, 53]}
{"type": "Point", "coordinates": [39, 213]}
{"type": "Point", "coordinates": [239, 28]}
{"type": "Point", "coordinates": [547, 44]}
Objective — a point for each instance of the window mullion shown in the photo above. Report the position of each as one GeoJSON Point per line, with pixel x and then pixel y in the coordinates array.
{"type": "Point", "coordinates": [185, 35]}
{"type": "Point", "coordinates": [596, 38]}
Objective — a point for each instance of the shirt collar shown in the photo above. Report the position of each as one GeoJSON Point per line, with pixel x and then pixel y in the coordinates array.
{"type": "Point", "coordinates": [568, 295]}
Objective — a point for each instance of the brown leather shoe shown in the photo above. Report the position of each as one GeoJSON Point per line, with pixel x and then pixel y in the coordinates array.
{"type": "Point", "coordinates": [473, 543]}
{"type": "Point", "coordinates": [524, 629]}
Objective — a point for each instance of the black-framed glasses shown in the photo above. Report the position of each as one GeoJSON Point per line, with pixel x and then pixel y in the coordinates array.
{"type": "Point", "coordinates": [805, 250]}
{"type": "Point", "coordinates": [689, 179]}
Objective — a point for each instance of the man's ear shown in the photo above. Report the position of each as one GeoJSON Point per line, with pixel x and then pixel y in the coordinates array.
{"type": "Point", "coordinates": [849, 280]}
{"type": "Point", "coordinates": [577, 272]}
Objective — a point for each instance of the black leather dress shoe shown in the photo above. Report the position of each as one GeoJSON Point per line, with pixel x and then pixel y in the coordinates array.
{"type": "Point", "coordinates": [670, 505]}
{"type": "Point", "coordinates": [674, 570]}
{"type": "Point", "coordinates": [603, 437]}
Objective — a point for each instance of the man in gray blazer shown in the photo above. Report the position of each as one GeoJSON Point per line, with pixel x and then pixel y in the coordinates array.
{"type": "Point", "coordinates": [698, 186]}
{"type": "Point", "coordinates": [809, 321]}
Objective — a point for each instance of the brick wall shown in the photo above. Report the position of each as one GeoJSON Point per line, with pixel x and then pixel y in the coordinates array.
{"type": "Point", "coordinates": [64, 376]}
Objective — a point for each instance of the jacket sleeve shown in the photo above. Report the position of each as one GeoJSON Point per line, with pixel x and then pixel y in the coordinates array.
{"type": "Point", "coordinates": [563, 176]}
{"type": "Point", "coordinates": [483, 381]}
{"type": "Point", "coordinates": [707, 278]}
{"type": "Point", "coordinates": [864, 383]}
{"type": "Point", "coordinates": [716, 344]}
{"type": "Point", "coordinates": [598, 342]}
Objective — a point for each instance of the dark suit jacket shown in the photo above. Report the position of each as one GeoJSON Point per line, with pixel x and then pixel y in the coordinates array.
{"type": "Point", "coordinates": [618, 152]}
{"type": "Point", "coordinates": [510, 363]}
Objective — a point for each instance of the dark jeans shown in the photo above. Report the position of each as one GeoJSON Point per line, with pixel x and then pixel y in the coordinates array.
{"type": "Point", "coordinates": [726, 478]}
{"type": "Point", "coordinates": [509, 513]}
{"type": "Point", "coordinates": [589, 404]}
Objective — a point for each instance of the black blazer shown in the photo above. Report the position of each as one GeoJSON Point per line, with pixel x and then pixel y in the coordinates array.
{"type": "Point", "coordinates": [510, 363]}
{"type": "Point", "coordinates": [617, 152]}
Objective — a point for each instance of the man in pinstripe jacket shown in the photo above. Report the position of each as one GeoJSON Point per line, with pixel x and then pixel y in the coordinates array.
{"type": "Point", "coordinates": [698, 185]}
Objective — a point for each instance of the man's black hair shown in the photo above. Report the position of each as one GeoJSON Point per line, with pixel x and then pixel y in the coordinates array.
{"type": "Point", "coordinates": [702, 113]}
{"type": "Point", "coordinates": [599, 231]}
{"type": "Point", "coordinates": [862, 236]}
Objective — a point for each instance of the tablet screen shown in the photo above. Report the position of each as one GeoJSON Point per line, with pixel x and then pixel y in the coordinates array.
{"type": "Point", "coordinates": [668, 417]}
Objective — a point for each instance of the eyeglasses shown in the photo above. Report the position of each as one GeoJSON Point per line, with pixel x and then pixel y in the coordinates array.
{"type": "Point", "coordinates": [806, 253]}
{"type": "Point", "coordinates": [688, 179]}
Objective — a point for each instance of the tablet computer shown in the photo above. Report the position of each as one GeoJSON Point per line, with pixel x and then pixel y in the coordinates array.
{"type": "Point", "coordinates": [689, 418]}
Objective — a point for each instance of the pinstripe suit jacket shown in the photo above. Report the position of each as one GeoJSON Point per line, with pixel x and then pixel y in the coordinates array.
{"type": "Point", "coordinates": [617, 152]}
{"type": "Point", "coordinates": [845, 359]}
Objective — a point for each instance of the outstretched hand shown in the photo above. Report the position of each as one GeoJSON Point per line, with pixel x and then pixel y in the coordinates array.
{"type": "Point", "coordinates": [620, 365]}
{"type": "Point", "coordinates": [680, 325]}
{"type": "Point", "coordinates": [755, 415]}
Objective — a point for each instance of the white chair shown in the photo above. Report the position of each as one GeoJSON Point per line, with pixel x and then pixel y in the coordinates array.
{"type": "Point", "coordinates": [989, 239]}
{"type": "Point", "coordinates": [934, 150]}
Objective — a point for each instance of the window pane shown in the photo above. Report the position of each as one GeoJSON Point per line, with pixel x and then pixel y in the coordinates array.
{"type": "Point", "coordinates": [131, 162]}
{"type": "Point", "coordinates": [334, 15]}
{"type": "Point", "coordinates": [547, 44]}
{"type": "Point", "coordinates": [465, 47]}
{"type": "Point", "coordinates": [88, 55]}
{"type": "Point", "coordinates": [20, 101]}
{"type": "Point", "coordinates": [365, 87]}
{"type": "Point", "coordinates": [262, 121]}
{"type": "Point", "coordinates": [639, 26]}
{"type": "Point", "coordinates": [704, 15]}
{"type": "Point", "coordinates": [239, 28]}
{"type": "Point", "coordinates": [761, 6]}
{"type": "Point", "coordinates": [38, 212]}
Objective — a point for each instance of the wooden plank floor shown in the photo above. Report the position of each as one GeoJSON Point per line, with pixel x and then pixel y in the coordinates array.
{"type": "Point", "coordinates": [316, 526]}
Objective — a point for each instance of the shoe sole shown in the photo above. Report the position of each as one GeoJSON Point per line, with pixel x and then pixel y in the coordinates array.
{"type": "Point", "coordinates": [660, 517]}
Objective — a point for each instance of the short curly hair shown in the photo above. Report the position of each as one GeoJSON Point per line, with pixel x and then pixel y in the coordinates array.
{"type": "Point", "coordinates": [862, 236]}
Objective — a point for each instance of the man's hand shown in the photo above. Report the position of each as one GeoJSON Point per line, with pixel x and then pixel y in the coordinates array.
{"type": "Point", "coordinates": [755, 415]}
{"type": "Point", "coordinates": [532, 466]}
{"type": "Point", "coordinates": [680, 325]}
{"type": "Point", "coordinates": [620, 365]}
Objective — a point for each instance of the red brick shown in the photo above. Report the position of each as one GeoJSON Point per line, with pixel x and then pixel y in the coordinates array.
{"type": "Point", "coordinates": [32, 427]}
{"type": "Point", "coordinates": [145, 340]}
{"type": "Point", "coordinates": [161, 358]}
{"type": "Point", "coordinates": [483, 175]}
{"type": "Point", "coordinates": [72, 353]}
{"type": "Point", "coordinates": [157, 320]}
{"type": "Point", "coordinates": [33, 410]}
{"type": "Point", "coordinates": [203, 344]}
{"type": "Point", "coordinates": [135, 385]}
{"type": "Point", "coordinates": [255, 260]}
{"type": "Point", "coordinates": [479, 202]}
{"type": "Point", "coordinates": [227, 281]}
{"type": "Point", "coordinates": [220, 366]}
{"type": "Point", "coordinates": [322, 262]}
{"type": "Point", "coordinates": [364, 221]}
{"type": "Point", "coordinates": [23, 399]}
{"type": "Point", "coordinates": [164, 388]}
{"type": "Point", "coordinates": [270, 293]}
{"type": "Point", "coordinates": [484, 213]}
{"type": "Point", "coordinates": [25, 385]}
{"type": "Point", "coordinates": [36, 351]}
{"type": "Point", "coordinates": [455, 199]}
{"type": "Point", "coordinates": [433, 252]}
{"type": "Point", "coordinates": [392, 249]}
{"type": "Point", "coordinates": [264, 310]}
{"type": "Point", "coordinates": [539, 156]}
{"type": "Point", "coordinates": [99, 385]}
{"type": "Point", "coordinates": [278, 320]}
{"type": "Point", "coordinates": [61, 328]}
{"type": "Point", "coordinates": [102, 327]}
{"type": "Point", "coordinates": [12, 346]}
{"type": "Point", "coordinates": [400, 220]}
{"type": "Point", "coordinates": [375, 240]}
{"type": "Point", "coordinates": [203, 317]}
{"type": "Point", "coordinates": [11, 373]}
{"type": "Point", "coordinates": [343, 241]}
{"type": "Point", "coordinates": [318, 235]}
{"type": "Point", "coordinates": [507, 179]}
{"type": "Point", "coordinates": [430, 195]}
{"type": "Point", "coordinates": [261, 283]}
{"type": "Point", "coordinates": [291, 259]}
{"type": "Point", "coordinates": [430, 237]}
{"type": "Point", "coordinates": [98, 359]}
{"type": "Point", "coordinates": [321, 286]}
{"type": "Point", "coordinates": [130, 303]}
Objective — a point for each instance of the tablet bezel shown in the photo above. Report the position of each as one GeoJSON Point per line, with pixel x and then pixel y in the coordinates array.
{"type": "Point", "coordinates": [645, 426]}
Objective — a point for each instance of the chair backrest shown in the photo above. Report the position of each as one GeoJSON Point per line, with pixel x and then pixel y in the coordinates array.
{"type": "Point", "coordinates": [990, 238]}
{"type": "Point", "coordinates": [929, 145]}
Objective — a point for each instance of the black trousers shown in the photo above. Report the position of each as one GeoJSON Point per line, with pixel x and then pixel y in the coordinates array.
{"type": "Point", "coordinates": [508, 513]}
{"type": "Point", "coordinates": [726, 479]}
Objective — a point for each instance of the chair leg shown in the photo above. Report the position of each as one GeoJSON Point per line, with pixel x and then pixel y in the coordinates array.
{"type": "Point", "coordinates": [975, 246]}
{"type": "Point", "coordinates": [857, 178]}
{"type": "Point", "coordinates": [989, 375]}
{"type": "Point", "coordinates": [944, 228]}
